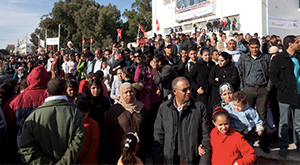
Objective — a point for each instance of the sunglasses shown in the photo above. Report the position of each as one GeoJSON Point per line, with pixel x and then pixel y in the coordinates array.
{"type": "Point", "coordinates": [186, 89]}
{"type": "Point", "coordinates": [136, 56]}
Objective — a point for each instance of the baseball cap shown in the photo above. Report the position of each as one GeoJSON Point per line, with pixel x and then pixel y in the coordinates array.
{"type": "Point", "coordinates": [273, 49]}
{"type": "Point", "coordinates": [70, 42]}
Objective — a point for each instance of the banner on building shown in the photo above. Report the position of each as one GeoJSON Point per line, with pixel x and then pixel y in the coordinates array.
{"type": "Point", "coordinates": [187, 9]}
{"type": "Point", "coordinates": [283, 22]}
{"type": "Point", "coordinates": [52, 41]}
{"type": "Point", "coordinates": [149, 34]}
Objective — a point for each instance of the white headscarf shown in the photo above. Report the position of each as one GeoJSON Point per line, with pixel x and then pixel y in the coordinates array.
{"type": "Point", "coordinates": [236, 53]}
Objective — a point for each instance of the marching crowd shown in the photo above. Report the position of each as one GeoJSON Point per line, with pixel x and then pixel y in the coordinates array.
{"type": "Point", "coordinates": [182, 99]}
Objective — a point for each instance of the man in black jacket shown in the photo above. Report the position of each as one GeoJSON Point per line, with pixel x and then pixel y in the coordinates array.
{"type": "Point", "coordinates": [254, 81]}
{"type": "Point", "coordinates": [12, 65]}
{"type": "Point", "coordinates": [284, 74]}
{"type": "Point", "coordinates": [181, 129]}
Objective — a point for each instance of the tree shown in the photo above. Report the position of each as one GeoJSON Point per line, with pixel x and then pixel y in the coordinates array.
{"type": "Point", "coordinates": [140, 13]}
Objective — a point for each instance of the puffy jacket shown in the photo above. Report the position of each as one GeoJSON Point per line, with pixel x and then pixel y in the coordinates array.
{"type": "Point", "coordinates": [193, 130]}
{"type": "Point", "coordinates": [33, 96]}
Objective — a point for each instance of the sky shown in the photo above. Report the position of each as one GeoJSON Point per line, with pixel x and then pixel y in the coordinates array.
{"type": "Point", "coordinates": [20, 17]}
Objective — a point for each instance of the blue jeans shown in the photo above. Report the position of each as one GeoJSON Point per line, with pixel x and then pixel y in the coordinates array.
{"type": "Point", "coordinates": [288, 111]}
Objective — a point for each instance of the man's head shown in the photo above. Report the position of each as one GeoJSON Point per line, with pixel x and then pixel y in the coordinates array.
{"type": "Point", "coordinates": [122, 44]}
{"type": "Point", "coordinates": [273, 38]}
{"type": "Point", "coordinates": [70, 44]}
{"type": "Point", "coordinates": [223, 37]}
{"type": "Point", "coordinates": [158, 61]}
{"type": "Point", "coordinates": [248, 37]}
{"type": "Point", "coordinates": [56, 86]}
{"type": "Point", "coordinates": [290, 43]}
{"type": "Point", "coordinates": [137, 56]}
{"type": "Point", "coordinates": [254, 46]}
{"type": "Point", "coordinates": [241, 36]}
{"type": "Point", "coordinates": [107, 53]}
{"type": "Point", "coordinates": [98, 54]}
{"type": "Point", "coordinates": [203, 32]}
{"type": "Point", "coordinates": [12, 59]}
{"type": "Point", "coordinates": [184, 53]}
{"type": "Point", "coordinates": [159, 36]}
{"type": "Point", "coordinates": [181, 89]}
{"type": "Point", "coordinates": [231, 44]}
{"type": "Point", "coordinates": [168, 49]}
{"type": "Point", "coordinates": [182, 37]}
{"type": "Point", "coordinates": [214, 54]}
{"type": "Point", "coordinates": [86, 49]}
{"type": "Point", "coordinates": [173, 35]}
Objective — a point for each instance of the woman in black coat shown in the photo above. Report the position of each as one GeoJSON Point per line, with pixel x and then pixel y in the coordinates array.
{"type": "Point", "coordinates": [224, 72]}
{"type": "Point", "coordinates": [97, 102]}
{"type": "Point", "coordinates": [199, 77]}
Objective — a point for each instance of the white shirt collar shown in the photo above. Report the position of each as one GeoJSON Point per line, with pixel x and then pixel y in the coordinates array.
{"type": "Point", "coordinates": [178, 108]}
{"type": "Point", "coordinates": [60, 97]}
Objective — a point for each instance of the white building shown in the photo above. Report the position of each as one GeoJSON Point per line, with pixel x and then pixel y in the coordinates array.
{"type": "Point", "coordinates": [24, 48]}
{"type": "Point", "coordinates": [280, 17]}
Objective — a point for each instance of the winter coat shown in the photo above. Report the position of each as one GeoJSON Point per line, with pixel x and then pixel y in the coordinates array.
{"type": "Point", "coordinates": [228, 74]}
{"type": "Point", "coordinates": [199, 78]}
{"type": "Point", "coordinates": [39, 144]}
{"type": "Point", "coordinates": [193, 129]}
{"type": "Point", "coordinates": [230, 148]}
{"type": "Point", "coordinates": [117, 123]}
{"type": "Point", "coordinates": [283, 78]}
{"type": "Point", "coordinates": [10, 68]}
{"type": "Point", "coordinates": [33, 96]}
{"type": "Point", "coordinates": [98, 108]}
{"type": "Point", "coordinates": [89, 152]}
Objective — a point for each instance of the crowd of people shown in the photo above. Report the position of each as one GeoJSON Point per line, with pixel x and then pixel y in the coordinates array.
{"type": "Point", "coordinates": [180, 100]}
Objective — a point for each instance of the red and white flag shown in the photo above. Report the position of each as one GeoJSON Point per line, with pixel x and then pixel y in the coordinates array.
{"type": "Point", "coordinates": [91, 39]}
{"type": "Point", "coordinates": [119, 33]}
{"type": "Point", "coordinates": [157, 25]}
{"type": "Point", "coordinates": [141, 27]}
{"type": "Point", "coordinates": [83, 41]}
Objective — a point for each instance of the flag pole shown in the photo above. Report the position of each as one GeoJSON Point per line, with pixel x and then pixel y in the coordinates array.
{"type": "Point", "coordinates": [58, 37]}
{"type": "Point", "coordinates": [138, 35]}
{"type": "Point", "coordinates": [46, 40]}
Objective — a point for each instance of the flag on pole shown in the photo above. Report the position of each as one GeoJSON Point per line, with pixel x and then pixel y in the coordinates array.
{"type": "Point", "coordinates": [119, 33]}
{"type": "Point", "coordinates": [141, 27]}
{"type": "Point", "coordinates": [91, 39]}
{"type": "Point", "coordinates": [157, 25]}
{"type": "Point", "coordinates": [83, 41]}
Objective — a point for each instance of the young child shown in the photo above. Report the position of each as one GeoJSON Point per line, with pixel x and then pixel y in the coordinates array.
{"type": "Point", "coordinates": [130, 146]}
{"type": "Point", "coordinates": [89, 152]}
{"type": "Point", "coordinates": [72, 90]}
{"type": "Point", "coordinates": [84, 83]}
{"type": "Point", "coordinates": [244, 119]}
{"type": "Point", "coordinates": [228, 146]}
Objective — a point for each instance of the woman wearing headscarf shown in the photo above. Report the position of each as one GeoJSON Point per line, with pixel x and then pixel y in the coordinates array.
{"type": "Point", "coordinates": [224, 72]}
{"type": "Point", "coordinates": [231, 48]}
{"type": "Point", "coordinates": [128, 115]}
{"type": "Point", "coordinates": [226, 94]}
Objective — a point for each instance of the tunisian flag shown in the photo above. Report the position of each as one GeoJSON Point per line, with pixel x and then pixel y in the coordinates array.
{"type": "Point", "coordinates": [91, 39]}
{"type": "Point", "coordinates": [157, 25]}
{"type": "Point", "coordinates": [83, 41]}
{"type": "Point", "coordinates": [119, 33]}
{"type": "Point", "coordinates": [141, 27]}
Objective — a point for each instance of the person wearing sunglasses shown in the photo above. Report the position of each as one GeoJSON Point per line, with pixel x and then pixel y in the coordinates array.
{"type": "Point", "coordinates": [181, 129]}
{"type": "Point", "coordinates": [137, 60]}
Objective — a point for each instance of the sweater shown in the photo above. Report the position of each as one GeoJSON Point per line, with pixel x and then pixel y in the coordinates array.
{"type": "Point", "coordinates": [245, 120]}
{"type": "Point", "coordinates": [230, 148]}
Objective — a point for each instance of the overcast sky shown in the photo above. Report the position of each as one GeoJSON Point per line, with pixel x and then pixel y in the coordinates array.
{"type": "Point", "coordinates": [21, 17]}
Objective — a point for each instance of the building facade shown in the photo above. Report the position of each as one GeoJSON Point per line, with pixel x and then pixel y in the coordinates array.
{"type": "Point", "coordinates": [280, 17]}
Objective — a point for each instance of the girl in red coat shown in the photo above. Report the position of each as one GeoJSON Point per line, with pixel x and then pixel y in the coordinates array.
{"type": "Point", "coordinates": [228, 146]}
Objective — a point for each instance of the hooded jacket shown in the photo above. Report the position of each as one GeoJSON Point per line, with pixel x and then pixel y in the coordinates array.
{"type": "Point", "coordinates": [230, 148]}
{"type": "Point", "coordinates": [33, 96]}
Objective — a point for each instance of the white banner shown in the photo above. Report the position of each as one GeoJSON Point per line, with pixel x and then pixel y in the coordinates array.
{"type": "Point", "coordinates": [149, 34]}
{"type": "Point", "coordinates": [283, 22]}
{"type": "Point", "coordinates": [52, 41]}
{"type": "Point", "coordinates": [186, 9]}
{"type": "Point", "coordinates": [42, 44]}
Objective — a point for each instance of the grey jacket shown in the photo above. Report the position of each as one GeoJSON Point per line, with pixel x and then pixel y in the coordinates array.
{"type": "Point", "coordinates": [244, 66]}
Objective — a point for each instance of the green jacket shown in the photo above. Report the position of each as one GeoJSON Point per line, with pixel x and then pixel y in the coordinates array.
{"type": "Point", "coordinates": [80, 68]}
{"type": "Point", "coordinates": [53, 133]}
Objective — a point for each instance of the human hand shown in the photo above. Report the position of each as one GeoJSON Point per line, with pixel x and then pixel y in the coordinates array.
{"type": "Point", "coordinates": [259, 133]}
{"type": "Point", "coordinates": [117, 97]}
{"type": "Point", "coordinates": [200, 91]}
{"type": "Point", "coordinates": [158, 92]}
{"type": "Point", "coordinates": [201, 151]}
{"type": "Point", "coordinates": [217, 79]}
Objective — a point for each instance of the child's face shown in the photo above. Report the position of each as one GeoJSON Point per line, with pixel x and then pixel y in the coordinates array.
{"type": "Point", "coordinates": [104, 65]}
{"type": "Point", "coordinates": [238, 106]}
{"type": "Point", "coordinates": [222, 124]}
{"type": "Point", "coordinates": [71, 92]}
{"type": "Point", "coordinates": [95, 90]}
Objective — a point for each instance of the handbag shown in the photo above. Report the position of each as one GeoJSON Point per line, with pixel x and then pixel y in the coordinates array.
{"type": "Point", "coordinates": [115, 59]}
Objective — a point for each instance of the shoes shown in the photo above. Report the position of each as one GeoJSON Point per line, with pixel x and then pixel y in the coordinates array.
{"type": "Point", "coordinates": [264, 148]}
{"type": "Point", "coordinates": [282, 153]}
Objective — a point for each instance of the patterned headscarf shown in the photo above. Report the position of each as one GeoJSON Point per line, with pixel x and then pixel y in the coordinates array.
{"type": "Point", "coordinates": [224, 87]}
